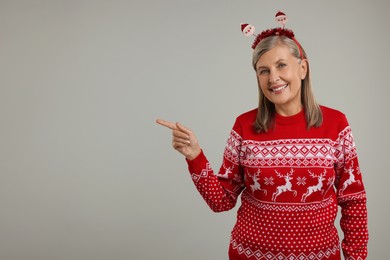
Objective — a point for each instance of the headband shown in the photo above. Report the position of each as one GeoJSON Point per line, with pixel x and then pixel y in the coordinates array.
{"type": "Point", "coordinates": [280, 17]}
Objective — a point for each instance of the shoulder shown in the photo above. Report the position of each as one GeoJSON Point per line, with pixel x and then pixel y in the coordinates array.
{"type": "Point", "coordinates": [244, 122]}
{"type": "Point", "coordinates": [248, 116]}
{"type": "Point", "coordinates": [334, 117]}
{"type": "Point", "coordinates": [331, 112]}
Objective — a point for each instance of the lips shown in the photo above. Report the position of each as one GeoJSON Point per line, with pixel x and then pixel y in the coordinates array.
{"type": "Point", "coordinates": [278, 88]}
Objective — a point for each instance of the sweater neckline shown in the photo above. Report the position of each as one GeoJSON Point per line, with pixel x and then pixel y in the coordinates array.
{"type": "Point", "coordinates": [290, 120]}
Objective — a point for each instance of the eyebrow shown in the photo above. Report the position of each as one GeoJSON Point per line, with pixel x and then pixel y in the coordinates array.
{"type": "Point", "coordinates": [265, 67]}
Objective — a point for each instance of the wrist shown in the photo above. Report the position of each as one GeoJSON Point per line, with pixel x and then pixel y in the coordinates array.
{"type": "Point", "coordinates": [193, 155]}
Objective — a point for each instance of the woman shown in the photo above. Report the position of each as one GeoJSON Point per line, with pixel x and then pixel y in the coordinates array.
{"type": "Point", "coordinates": [292, 161]}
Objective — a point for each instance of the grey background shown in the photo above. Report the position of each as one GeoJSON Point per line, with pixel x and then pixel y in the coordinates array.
{"type": "Point", "coordinates": [85, 173]}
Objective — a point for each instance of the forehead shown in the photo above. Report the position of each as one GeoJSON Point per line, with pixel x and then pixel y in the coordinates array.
{"type": "Point", "coordinates": [279, 52]}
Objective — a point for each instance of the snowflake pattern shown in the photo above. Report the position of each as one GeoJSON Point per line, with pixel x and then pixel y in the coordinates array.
{"type": "Point", "coordinates": [269, 181]}
{"type": "Point", "coordinates": [237, 178]}
{"type": "Point", "coordinates": [301, 181]}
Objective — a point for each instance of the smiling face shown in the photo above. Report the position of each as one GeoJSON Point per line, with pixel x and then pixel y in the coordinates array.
{"type": "Point", "coordinates": [280, 76]}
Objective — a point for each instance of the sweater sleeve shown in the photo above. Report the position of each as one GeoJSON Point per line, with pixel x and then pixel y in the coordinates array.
{"type": "Point", "coordinates": [219, 190]}
{"type": "Point", "coordinates": [351, 197]}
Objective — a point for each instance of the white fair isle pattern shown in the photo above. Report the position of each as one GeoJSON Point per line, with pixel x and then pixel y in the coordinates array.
{"type": "Point", "coordinates": [345, 149]}
{"type": "Point", "coordinates": [288, 152]}
{"type": "Point", "coordinates": [284, 152]}
{"type": "Point", "coordinates": [265, 227]}
{"type": "Point", "coordinates": [355, 196]}
{"type": "Point", "coordinates": [232, 149]}
{"type": "Point", "coordinates": [203, 174]}
{"type": "Point", "coordinates": [286, 207]}
{"type": "Point", "coordinates": [259, 255]}
{"type": "Point", "coordinates": [290, 191]}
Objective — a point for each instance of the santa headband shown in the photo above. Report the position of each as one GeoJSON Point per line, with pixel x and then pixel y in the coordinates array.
{"type": "Point", "coordinates": [280, 17]}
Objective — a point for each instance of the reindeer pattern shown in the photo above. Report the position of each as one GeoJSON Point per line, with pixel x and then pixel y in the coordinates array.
{"type": "Point", "coordinates": [351, 179]}
{"type": "Point", "coordinates": [308, 185]}
{"type": "Point", "coordinates": [286, 187]}
{"type": "Point", "coordinates": [256, 185]}
{"type": "Point", "coordinates": [225, 171]}
{"type": "Point", "coordinates": [314, 188]}
{"type": "Point", "coordinates": [305, 184]}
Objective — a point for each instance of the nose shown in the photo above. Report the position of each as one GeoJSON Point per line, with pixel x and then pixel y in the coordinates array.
{"type": "Point", "coordinates": [273, 77]}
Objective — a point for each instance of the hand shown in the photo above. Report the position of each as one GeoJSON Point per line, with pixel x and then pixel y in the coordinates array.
{"type": "Point", "coordinates": [183, 139]}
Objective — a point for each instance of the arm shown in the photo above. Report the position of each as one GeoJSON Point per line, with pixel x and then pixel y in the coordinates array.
{"type": "Point", "coordinates": [220, 191]}
{"type": "Point", "coordinates": [351, 197]}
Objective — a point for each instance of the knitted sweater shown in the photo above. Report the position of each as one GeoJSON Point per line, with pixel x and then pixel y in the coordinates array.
{"type": "Point", "coordinates": [291, 180]}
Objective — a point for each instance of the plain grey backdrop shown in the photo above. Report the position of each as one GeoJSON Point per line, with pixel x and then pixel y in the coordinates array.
{"type": "Point", "coordinates": [85, 173]}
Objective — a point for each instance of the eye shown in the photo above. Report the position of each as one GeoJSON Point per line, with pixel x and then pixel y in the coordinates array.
{"type": "Point", "coordinates": [263, 72]}
{"type": "Point", "coordinates": [281, 65]}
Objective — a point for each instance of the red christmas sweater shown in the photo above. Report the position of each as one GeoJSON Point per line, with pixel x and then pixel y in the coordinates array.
{"type": "Point", "coordinates": [291, 181]}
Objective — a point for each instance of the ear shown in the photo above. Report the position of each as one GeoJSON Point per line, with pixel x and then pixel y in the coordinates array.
{"type": "Point", "coordinates": [303, 68]}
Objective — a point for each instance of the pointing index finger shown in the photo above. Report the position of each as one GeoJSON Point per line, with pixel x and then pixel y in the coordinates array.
{"type": "Point", "coordinates": [167, 124]}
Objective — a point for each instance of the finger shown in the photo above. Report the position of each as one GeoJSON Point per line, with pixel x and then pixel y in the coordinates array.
{"type": "Point", "coordinates": [180, 134]}
{"type": "Point", "coordinates": [165, 123]}
{"type": "Point", "coordinates": [180, 140]}
{"type": "Point", "coordinates": [179, 146]}
{"type": "Point", "coordinates": [183, 128]}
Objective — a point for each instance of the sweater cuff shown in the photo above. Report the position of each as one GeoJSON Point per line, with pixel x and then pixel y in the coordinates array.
{"type": "Point", "coordinates": [198, 163]}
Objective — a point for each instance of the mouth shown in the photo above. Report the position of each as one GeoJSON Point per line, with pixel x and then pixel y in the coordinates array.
{"type": "Point", "coordinates": [278, 88]}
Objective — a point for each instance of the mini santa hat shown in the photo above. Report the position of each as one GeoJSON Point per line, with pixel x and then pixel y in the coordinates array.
{"type": "Point", "coordinates": [279, 31]}
{"type": "Point", "coordinates": [243, 26]}
{"type": "Point", "coordinates": [279, 14]}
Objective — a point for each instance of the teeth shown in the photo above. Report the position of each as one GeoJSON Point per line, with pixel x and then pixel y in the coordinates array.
{"type": "Point", "coordinates": [279, 88]}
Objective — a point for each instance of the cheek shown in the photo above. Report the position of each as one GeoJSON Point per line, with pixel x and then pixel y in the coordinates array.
{"type": "Point", "coordinates": [263, 87]}
{"type": "Point", "coordinates": [291, 76]}
{"type": "Point", "coordinates": [262, 83]}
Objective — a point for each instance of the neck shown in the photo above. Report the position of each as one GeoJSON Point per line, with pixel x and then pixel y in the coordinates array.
{"type": "Point", "coordinates": [288, 110]}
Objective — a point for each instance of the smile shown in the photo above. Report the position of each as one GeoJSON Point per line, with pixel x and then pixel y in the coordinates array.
{"type": "Point", "coordinates": [279, 88]}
